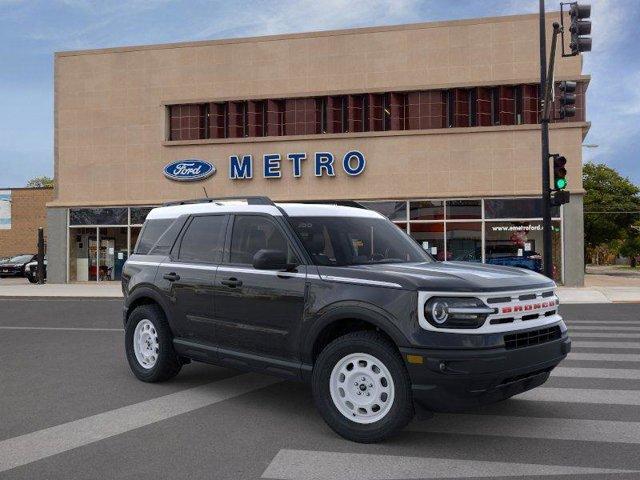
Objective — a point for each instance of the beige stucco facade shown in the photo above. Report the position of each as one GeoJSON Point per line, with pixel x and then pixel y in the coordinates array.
{"type": "Point", "coordinates": [112, 128]}
{"type": "Point", "coordinates": [111, 115]}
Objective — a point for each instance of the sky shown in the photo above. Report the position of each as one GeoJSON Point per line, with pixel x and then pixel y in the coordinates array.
{"type": "Point", "coordinates": [31, 30]}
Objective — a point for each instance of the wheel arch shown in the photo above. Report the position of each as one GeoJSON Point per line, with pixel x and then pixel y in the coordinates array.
{"type": "Point", "coordinates": [144, 295]}
{"type": "Point", "coordinates": [342, 319]}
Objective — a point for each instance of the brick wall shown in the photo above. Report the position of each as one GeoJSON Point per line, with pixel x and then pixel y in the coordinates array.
{"type": "Point", "coordinates": [28, 212]}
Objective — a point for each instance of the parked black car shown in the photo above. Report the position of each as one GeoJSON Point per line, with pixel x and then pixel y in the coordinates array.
{"type": "Point", "coordinates": [31, 270]}
{"type": "Point", "coordinates": [338, 297]}
{"type": "Point", "coordinates": [15, 266]}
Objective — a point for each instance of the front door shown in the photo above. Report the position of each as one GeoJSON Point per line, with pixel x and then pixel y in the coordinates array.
{"type": "Point", "coordinates": [189, 277]}
{"type": "Point", "coordinates": [258, 311]}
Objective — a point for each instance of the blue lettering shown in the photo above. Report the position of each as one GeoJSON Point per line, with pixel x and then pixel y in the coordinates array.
{"type": "Point", "coordinates": [271, 163]}
{"type": "Point", "coordinates": [324, 161]}
{"type": "Point", "coordinates": [358, 157]}
{"type": "Point", "coordinates": [297, 158]}
{"type": "Point", "coordinates": [240, 168]}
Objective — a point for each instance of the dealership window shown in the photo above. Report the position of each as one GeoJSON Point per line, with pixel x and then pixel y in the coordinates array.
{"type": "Point", "coordinates": [275, 117]}
{"type": "Point", "coordinates": [426, 210]}
{"type": "Point", "coordinates": [430, 236]}
{"type": "Point", "coordinates": [395, 211]}
{"type": "Point", "coordinates": [301, 116]}
{"type": "Point", "coordinates": [464, 241]}
{"type": "Point", "coordinates": [217, 120]}
{"type": "Point", "coordinates": [426, 110]}
{"type": "Point", "coordinates": [464, 209]}
{"type": "Point", "coordinates": [516, 208]}
{"type": "Point", "coordinates": [98, 216]}
{"type": "Point", "coordinates": [187, 122]}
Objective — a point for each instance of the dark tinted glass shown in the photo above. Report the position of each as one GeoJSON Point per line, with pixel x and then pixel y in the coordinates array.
{"type": "Point", "coordinates": [431, 237]}
{"type": "Point", "coordinates": [151, 233]}
{"type": "Point", "coordinates": [516, 208]}
{"type": "Point", "coordinates": [459, 209]}
{"type": "Point", "coordinates": [391, 210]}
{"type": "Point", "coordinates": [139, 214]}
{"type": "Point", "coordinates": [341, 241]}
{"type": "Point", "coordinates": [252, 233]}
{"type": "Point", "coordinates": [204, 239]}
{"type": "Point", "coordinates": [98, 216]}
{"type": "Point", "coordinates": [426, 210]}
{"type": "Point", "coordinates": [464, 241]}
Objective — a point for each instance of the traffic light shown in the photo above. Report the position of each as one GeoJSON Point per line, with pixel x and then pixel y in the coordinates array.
{"type": "Point", "coordinates": [559, 172]}
{"type": "Point", "coordinates": [559, 198]}
{"type": "Point", "coordinates": [580, 27]}
{"type": "Point", "coordinates": [567, 98]}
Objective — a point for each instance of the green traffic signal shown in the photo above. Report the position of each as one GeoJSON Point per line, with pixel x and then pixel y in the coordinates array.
{"type": "Point", "coordinates": [561, 183]}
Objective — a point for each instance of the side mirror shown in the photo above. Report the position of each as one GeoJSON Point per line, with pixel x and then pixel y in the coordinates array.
{"type": "Point", "coordinates": [270, 260]}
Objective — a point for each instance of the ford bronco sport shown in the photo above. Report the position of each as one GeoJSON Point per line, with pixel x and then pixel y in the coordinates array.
{"type": "Point", "coordinates": [341, 298]}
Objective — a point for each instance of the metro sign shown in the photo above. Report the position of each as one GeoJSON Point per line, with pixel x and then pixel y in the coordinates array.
{"type": "Point", "coordinates": [528, 307]}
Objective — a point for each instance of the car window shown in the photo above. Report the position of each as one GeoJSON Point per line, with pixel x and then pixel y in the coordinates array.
{"type": "Point", "coordinates": [252, 233]}
{"type": "Point", "coordinates": [150, 234]}
{"type": "Point", "coordinates": [343, 241]}
{"type": "Point", "coordinates": [204, 239]}
{"type": "Point", "coordinates": [21, 259]}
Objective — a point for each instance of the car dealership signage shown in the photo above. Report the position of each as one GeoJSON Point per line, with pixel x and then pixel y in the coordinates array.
{"type": "Point", "coordinates": [271, 166]}
{"type": "Point", "coordinates": [189, 170]}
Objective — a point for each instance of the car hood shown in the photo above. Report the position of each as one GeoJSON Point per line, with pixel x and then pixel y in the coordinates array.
{"type": "Point", "coordinates": [445, 276]}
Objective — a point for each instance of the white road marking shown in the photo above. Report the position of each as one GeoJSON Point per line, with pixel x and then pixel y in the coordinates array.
{"type": "Point", "coordinates": [599, 328]}
{"type": "Point", "coordinates": [532, 427]}
{"type": "Point", "coordinates": [34, 446]}
{"type": "Point", "coordinates": [65, 329]}
{"type": "Point", "coordinates": [317, 465]}
{"type": "Point", "coordinates": [609, 335]}
{"type": "Point", "coordinates": [605, 357]}
{"type": "Point", "coordinates": [582, 395]}
{"type": "Point", "coordinates": [603, 322]}
{"type": "Point", "coordinates": [615, 373]}
{"type": "Point", "coordinates": [603, 344]}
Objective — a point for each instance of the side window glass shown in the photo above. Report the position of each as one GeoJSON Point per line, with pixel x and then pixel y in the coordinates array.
{"type": "Point", "coordinates": [204, 239]}
{"type": "Point", "coordinates": [252, 233]}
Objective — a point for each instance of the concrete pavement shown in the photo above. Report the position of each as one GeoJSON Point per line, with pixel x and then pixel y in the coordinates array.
{"type": "Point", "coordinates": [72, 410]}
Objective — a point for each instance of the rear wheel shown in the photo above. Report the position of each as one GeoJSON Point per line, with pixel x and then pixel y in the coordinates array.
{"type": "Point", "coordinates": [361, 387]}
{"type": "Point", "coordinates": [31, 278]}
{"type": "Point", "coordinates": [149, 345]}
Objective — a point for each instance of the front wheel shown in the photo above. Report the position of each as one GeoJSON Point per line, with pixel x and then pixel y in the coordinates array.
{"type": "Point", "coordinates": [149, 345]}
{"type": "Point", "coordinates": [362, 388]}
{"type": "Point", "coordinates": [32, 278]}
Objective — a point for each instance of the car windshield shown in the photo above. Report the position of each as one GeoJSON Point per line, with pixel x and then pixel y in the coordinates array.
{"type": "Point", "coordinates": [20, 258]}
{"type": "Point", "coordinates": [343, 241]}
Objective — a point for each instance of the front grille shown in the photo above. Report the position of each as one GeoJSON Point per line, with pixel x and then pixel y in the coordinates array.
{"type": "Point", "coordinates": [532, 337]}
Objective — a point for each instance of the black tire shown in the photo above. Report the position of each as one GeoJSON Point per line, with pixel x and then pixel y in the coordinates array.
{"type": "Point", "coordinates": [374, 344]}
{"type": "Point", "coordinates": [32, 279]}
{"type": "Point", "coordinates": [168, 363]}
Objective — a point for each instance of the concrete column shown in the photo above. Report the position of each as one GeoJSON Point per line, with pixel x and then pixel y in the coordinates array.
{"type": "Point", "coordinates": [56, 245]}
{"type": "Point", "coordinates": [573, 245]}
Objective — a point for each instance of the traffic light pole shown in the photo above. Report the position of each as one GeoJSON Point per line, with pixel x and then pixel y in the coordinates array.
{"type": "Point", "coordinates": [546, 190]}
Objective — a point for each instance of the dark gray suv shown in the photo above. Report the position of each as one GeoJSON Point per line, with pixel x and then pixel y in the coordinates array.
{"type": "Point", "coordinates": [339, 297]}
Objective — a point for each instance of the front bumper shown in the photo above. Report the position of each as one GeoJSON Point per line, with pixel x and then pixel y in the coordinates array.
{"type": "Point", "coordinates": [11, 272]}
{"type": "Point", "coordinates": [450, 380]}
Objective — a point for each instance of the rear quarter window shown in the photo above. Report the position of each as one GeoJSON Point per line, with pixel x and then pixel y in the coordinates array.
{"type": "Point", "coordinates": [151, 233]}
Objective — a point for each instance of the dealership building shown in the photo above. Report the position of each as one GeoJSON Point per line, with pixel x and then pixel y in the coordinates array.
{"type": "Point", "coordinates": [435, 125]}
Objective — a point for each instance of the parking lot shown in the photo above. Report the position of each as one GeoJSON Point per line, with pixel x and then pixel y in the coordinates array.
{"type": "Point", "coordinates": [70, 408]}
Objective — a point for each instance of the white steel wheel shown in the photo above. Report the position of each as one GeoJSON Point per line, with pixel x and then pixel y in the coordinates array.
{"type": "Point", "coordinates": [362, 388]}
{"type": "Point", "coordinates": [145, 344]}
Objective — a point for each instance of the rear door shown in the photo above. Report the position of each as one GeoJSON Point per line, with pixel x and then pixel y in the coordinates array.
{"type": "Point", "coordinates": [258, 311]}
{"type": "Point", "coordinates": [188, 278]}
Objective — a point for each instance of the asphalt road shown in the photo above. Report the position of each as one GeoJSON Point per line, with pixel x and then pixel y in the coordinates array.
{"type": "Point", "coordinates": [70, 409]}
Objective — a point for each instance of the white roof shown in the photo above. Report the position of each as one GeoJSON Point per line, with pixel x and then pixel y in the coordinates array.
{"type": "Point", "coordinates": [292, 209]}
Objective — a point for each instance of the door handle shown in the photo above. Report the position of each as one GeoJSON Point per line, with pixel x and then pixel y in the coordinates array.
{"type": "Point", "coordinates": [172, 277]}
{"type": "Point", "coordinates": [231, 282]}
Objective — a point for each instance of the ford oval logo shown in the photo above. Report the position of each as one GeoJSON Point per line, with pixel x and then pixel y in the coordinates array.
{"type": "Point", "coordinates": [189, 170]}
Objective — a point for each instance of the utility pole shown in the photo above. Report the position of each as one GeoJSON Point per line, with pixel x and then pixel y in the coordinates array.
{"type": "Point", "coordinates": [547, 257]}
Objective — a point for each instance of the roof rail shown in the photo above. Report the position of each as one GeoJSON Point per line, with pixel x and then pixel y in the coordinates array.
{"type": "Point", "coordinates": [251, 200]}
{"type": "Point", "coordinates": [340, 203]}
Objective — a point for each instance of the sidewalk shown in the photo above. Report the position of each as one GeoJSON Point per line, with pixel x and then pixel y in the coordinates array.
{"type": "Point", "coordinates": [589, 294]}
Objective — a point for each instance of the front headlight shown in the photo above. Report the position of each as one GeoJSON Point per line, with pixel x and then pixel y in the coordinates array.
{"type": "Point", "coordinates": [456, 312]}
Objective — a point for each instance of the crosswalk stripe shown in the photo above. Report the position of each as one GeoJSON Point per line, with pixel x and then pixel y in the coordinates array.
{"type": "Point", "coordinates": [603, 322]}
{"type": "Point", "coordinates": [34, 446]}
{"type": "Point", "coordinates": [597, 328]}
{"type": "Point", "coordinates": [605, 357]}
{"type": "Point", "coordinates": [602, 344]}
{"type": "Point", "coordinates": [533, 427]}
{"type": "Point", "coordinates": [610, 335]}
{"type": "Point", "coordinates": [65, 329]}
{"type": "Point", "coordinates": [318, 465]}
{"type": "Point", "coordinates": [614, 373]}
{"type": "Point", "coordinates": [582, 395]}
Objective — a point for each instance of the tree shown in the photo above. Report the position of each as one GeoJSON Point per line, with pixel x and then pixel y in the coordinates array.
{"type": "Point", "coordinates": [40, 182]}
{"type": "Point", "coordinates": [611, 205]}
